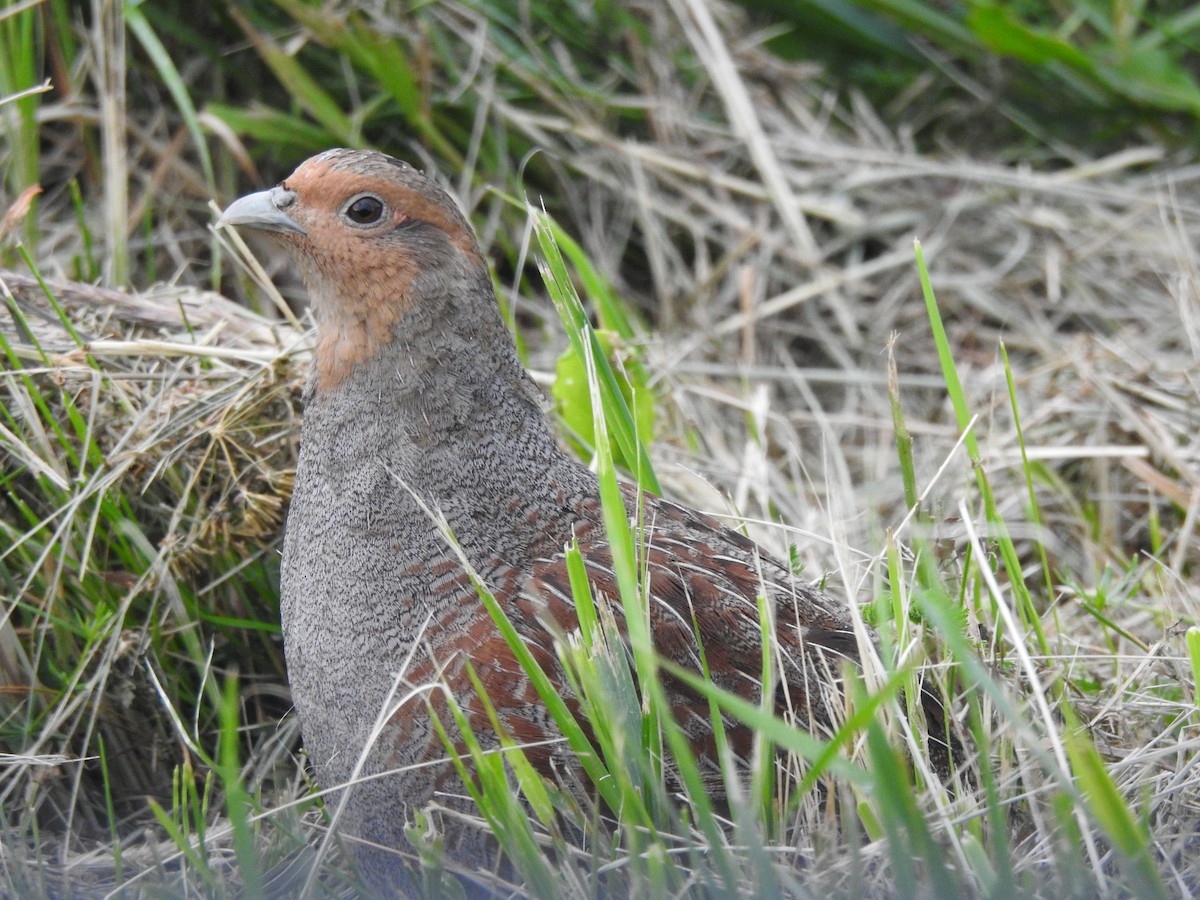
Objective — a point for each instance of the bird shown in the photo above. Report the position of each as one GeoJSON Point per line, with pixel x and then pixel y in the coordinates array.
{"type": "Point", "coordinates": [427, 465]}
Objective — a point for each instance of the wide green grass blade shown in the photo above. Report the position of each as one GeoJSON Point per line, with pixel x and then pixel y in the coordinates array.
{"type": "Point", "coordinates": [617, 415]}
{"type": "Point", "coordinates": [1108, 807]}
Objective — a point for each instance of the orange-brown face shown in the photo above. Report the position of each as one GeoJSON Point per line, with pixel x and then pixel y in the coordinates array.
{"type": "Point", "coordinates": [362, 227]}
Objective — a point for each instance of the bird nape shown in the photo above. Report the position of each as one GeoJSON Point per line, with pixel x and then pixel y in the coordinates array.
{"type": "Point", "coordinates": [421, 423]}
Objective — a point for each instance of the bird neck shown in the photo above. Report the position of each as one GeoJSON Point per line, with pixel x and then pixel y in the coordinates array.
{"type": "Point", "coordinates": [434, 392]}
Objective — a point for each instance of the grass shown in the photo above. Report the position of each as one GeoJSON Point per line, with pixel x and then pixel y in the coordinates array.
{"type": "Point", "coordinates": [1001, 480]}
{"type": "Point", "coordinates": [1055, 72]}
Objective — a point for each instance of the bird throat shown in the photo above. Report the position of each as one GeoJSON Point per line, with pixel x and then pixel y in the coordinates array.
{"type": "Point", "coordinates": [406, 365]}
{"type": "Point", "coordinates": [358, 333]}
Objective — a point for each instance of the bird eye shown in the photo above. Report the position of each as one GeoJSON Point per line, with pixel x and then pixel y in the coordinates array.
{"type": "Point", "coordinates": [365, 210]}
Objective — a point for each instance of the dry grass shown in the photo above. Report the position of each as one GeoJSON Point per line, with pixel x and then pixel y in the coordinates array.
{"type": "Point", "coordinates": [765, 227]}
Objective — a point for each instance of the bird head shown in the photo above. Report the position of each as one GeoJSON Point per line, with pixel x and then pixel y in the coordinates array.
{"type": "Point", "coordinates": [376, 243]}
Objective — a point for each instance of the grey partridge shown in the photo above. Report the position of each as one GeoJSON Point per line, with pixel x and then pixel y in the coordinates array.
{"type": "Point", "coordinates": [418, 403]}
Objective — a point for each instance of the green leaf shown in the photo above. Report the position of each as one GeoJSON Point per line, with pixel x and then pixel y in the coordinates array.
{"type": "Point", "coordinates": [572, 397]}
{"type": "Point", "coordinates": [617, 418]}
{"type": "Point", "coordinates": [1151, 77]}
{"type": "Point", "coordinates": [1006, 35]}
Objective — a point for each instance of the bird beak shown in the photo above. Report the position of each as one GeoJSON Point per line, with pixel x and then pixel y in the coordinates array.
{"type": "Point", "coordinates": [263, 211]}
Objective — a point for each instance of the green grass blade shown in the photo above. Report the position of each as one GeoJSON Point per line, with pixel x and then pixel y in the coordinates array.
{"type": "Point", "coordinates": [237, 802]}
{"type": "Point", "coordinates": [303, 88]}
{"type": "Point", "coordinates": [1193, 650]}
{"type": "Point", "coordinates": [1110, 810]}
{"type": "Point", "coordinates": [584, 342]}
{"type": "Point", "coordinates": [1012, 564]}
{"type": "Point", "coordinates": [169, 74]}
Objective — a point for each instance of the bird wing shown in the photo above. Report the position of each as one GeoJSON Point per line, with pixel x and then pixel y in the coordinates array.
{"type": "Point", "coordinates": [703, 583]}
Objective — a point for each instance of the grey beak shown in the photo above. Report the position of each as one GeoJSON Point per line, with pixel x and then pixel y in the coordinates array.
{"type": "Point", "coordinates": [264, 211]}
